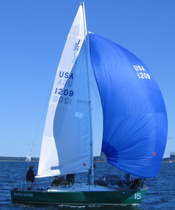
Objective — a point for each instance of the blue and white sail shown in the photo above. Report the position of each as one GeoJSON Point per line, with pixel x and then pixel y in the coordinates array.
{"type": "Point", "coordinates": [134, 115]}
{"type": "Point", "coordinates": [65, 145]}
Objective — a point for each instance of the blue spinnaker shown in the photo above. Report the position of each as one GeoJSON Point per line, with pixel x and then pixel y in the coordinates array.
{"type": "Point", "coordinates": [134, 114]}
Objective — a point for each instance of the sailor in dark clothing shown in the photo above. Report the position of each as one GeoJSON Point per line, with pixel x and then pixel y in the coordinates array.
{"type": "Point", "coordinates": [70, 178]}
{"type": "Point", "coordinates": [30, 178]}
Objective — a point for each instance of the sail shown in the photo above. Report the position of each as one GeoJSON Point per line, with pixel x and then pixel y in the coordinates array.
{"type": "Point", "coordinates": [96, 114]}
{"type": "Point", "coordinates": [134, 114]}
{"type": "Point", "coordinates": [65, 144]}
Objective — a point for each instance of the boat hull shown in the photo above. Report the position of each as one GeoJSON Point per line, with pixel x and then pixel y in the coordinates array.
{"type": "Point", "coordinates": [78, 197]}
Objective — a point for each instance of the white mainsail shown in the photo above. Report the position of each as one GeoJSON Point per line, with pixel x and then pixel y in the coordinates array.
{"type": "Point", "coordinates": [65, 144]}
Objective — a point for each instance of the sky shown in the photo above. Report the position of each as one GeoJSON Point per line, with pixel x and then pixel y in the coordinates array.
{"type": "Point", "coordinates": [32, 37]}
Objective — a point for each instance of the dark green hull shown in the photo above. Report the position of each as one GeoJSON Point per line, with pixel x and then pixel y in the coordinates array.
{"type": "Point", "coordinates": [78, 198]}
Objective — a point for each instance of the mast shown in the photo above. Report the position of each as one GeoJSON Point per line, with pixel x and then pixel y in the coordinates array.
{"type": "Point", "coordinates": [91, 169]}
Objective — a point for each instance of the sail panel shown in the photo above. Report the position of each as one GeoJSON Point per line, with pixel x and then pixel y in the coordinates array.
{"type": "Point", "coordinates": [63, 93]}
{"type": "Point", "coordinates": [72, 122]}
{"type": "Point", "coordinates": [134, 114]}
{"type": "Point", "coordinates": [96, 113]}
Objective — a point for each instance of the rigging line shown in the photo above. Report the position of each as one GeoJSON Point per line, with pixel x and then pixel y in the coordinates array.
{"type": "Point", "coordinates": [39, 125]}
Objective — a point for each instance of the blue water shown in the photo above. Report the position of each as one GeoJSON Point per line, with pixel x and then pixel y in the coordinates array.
{"type": "Point", "coordinates": [160, 195]}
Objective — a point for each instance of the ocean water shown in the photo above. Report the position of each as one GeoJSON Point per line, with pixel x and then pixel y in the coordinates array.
{"type": "Point", "coordinates": [160, 195]}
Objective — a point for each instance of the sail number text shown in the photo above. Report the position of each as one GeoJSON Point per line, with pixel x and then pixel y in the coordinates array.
{"type": "Point", "coordinates": [65, 92]}
{"type": "Point", "coordinates": [141, 72]}
{"type": "Point", "coordinates": [137, 196]}
{"type": "Point", "coordinates": [65, 95]}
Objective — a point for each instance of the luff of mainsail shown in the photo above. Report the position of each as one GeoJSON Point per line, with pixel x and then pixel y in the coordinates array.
{"type": "Point", "coordinates": [66, 149]}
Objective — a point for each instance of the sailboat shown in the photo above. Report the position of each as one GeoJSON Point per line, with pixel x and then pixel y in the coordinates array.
{"type": "Point", "coordinates": [134, 122]}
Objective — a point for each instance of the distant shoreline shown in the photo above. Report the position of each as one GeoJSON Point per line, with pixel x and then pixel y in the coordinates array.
{"type": "Point", "coordinates": [17, 159]}
{"type": "Point", "coordinates": [35, 159]}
